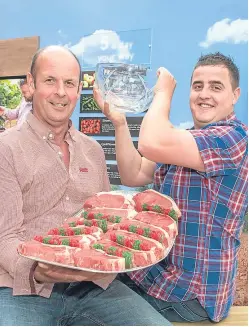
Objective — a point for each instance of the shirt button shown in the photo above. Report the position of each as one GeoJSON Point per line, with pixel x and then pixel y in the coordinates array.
{"type": "Point", "coordinates": [44, 137]}
{"type": "Point", "coordinates": [50, 135]}
{"type": "Point", "coordinates": [60, 153]}
{"type": "Point", "coordinates": [67, 198]}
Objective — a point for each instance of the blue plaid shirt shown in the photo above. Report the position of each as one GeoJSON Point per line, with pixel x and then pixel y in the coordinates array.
{"type": "Point", "coordinates": [203, 261]}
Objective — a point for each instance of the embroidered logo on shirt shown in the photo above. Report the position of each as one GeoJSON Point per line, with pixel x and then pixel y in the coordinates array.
{"type": "Point", "coordinates": [84, 170]}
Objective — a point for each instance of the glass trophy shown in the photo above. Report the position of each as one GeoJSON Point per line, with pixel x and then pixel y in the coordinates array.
{"type": "Point", "coordinates": [123, 86]}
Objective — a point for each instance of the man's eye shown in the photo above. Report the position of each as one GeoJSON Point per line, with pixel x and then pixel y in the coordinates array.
{"type": "Point", "coordinates": [197, 87]}
{"type": "Point", "coordinates": [49, 80]}
{"type": "Point", "coordinates": [70, 83]}
{"type": "Point", "coordinates": [216, 88]}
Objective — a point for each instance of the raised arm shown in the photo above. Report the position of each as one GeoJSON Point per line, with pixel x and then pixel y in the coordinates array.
{"type": "Point", "coordinates": [159, 141]}
{"type": "Point", "coordinates": [134, 169]}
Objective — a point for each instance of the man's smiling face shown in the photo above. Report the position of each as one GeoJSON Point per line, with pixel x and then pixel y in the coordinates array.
{"type": "Point", "coordinates": [56, 87]}
{"type": "Point", "coordinates": [212, 97]}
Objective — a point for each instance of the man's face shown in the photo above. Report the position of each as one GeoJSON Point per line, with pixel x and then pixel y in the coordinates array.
{"type": "Point", "coordinates": [211, 96]}
{"type": "Point", "coordinates": [26, 93]}
{"type": "Point", "coordinates": [56, 88]}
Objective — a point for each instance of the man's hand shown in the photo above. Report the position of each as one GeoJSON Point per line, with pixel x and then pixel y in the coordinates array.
{"type": "Point", "coordinates": [53, 274]}
{"type": "Point", "coordinates": [1, 111]}
{"type": "Point", "coordinates": [117, 118]}
{"type": "Point", "coordinates": [166, 83]}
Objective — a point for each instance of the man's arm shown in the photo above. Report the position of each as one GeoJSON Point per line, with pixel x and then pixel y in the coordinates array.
{"type": "Point", "coordinates": [134, 170]}
{"type": "Point", "coordinates": [10, 113]}
{"type": "Point", "coordinates": [159, 141]}
{"type": "Point", "coordinates": [11, 227]}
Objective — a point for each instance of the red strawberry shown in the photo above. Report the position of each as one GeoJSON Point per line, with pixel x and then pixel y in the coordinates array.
{"type": "Point", "coordinates": [144, 246]}
{"type": "Point", "coordinates": [124, 226]}
{"type": "Point", "coordinates": [118, 252]}
{"type": "Point", "coordinates": [128, 243]}
{"type": "Point", "coordinates": [74, 243]}
{"type": "Point", "coordinates": [69, 232]}
{"type": "Point", "coordinates": [54, 231]}
{"type": "Point", "coordinates": [113, 237]}
{"type": "Point", "coordinates": [155, 235]}
{"type": "Point", "coordinates": [57, 240]}
{"type": "Point", "coordinates": [38, 238]}
{"type": "Point", "coordinates": [87, 230]}
{"type": "Point", "coordinates": [90, 215]}
{"type": "Point", "coordinates": [166, 211]}
{"type": "Point", "coordinates": [140, 231]}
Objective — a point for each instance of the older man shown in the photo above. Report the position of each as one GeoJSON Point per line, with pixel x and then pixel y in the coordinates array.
{"type": "Point", "coordinates": [42, 183]}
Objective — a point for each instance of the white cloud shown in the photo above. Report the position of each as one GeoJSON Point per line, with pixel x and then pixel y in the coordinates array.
{"type": "Point", "coordinates": [185, 125]}
{"type": "Point", "coordinates": [102, 46]}
{"type": "Point", "coordinates": [227, 31]}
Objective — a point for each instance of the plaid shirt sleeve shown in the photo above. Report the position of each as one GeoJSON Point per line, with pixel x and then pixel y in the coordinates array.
{"type": "Point", "coordinates": [159, 175]}
{"type": "Point", "coordinates": [222, 148]}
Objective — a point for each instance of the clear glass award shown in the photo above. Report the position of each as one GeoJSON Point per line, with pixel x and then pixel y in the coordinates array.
{"type": "Point", "coordinates": [123, 86]}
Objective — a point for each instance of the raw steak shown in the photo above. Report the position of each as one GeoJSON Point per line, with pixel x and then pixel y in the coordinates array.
{"type": "Point", "coordinates": [144, 229]}
{"type": "Point", "coordinates": [98, 260]}
{"type": "Point", "coordinates": [80, 241]}
{"type": "Point", "coordinates": [109, 200]}
{"type": "Point", "coordinates": [151, 200]}
{"type": "Point", "coordinates": [71, 231]}
{"type": "Point", "coordinates": [163, 221]}
{"type": "Point", "coordinates": [53, 253]}
{"type": "Point", "coordinates": [111, 214]}
{"type": "Point", "coordinates": [133, 258]}
{"type": "Point", "coordinates": [135, 242]}
{"type": "Point", "coordinates": [77, 222]}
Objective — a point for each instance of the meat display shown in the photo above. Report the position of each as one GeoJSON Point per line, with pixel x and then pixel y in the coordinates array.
{"type": "Point", "coordinates": [77, 222]}
{"type": "Point", "coordinates": [163, 221]}
{"type": "Point", "coordinates": [78, 241]}
{"type": "Point", "coordinates": [111, 214]}
{"type": "Point", "coordinates": [70, 231]}
{"type": "Point", "coordinates": [144, 229]}
{"type": "Point", "coordinates": [109, 200]}
{"type": "Point", "coordinates": [98, 260]}
{"type": "Point", "coordinates": [135, 242]}
{"type": "Point", "coordinates": [115, 232]}
{"type": "Point", "coordinates": [53, 253]}
{"type": "Point", "coordinates": [133, 258]}
{"type": "Point", "coordinates": [150, 200]}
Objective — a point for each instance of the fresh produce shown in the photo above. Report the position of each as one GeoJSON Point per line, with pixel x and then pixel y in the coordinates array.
{"type": "Point", "coordinates": [88, 103]}
{"type": "Point", "coordinates": [90, 126]}
{"type": "Point", "coordinates": [88, 80]}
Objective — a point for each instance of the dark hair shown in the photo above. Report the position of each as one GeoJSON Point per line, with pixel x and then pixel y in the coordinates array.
{"type": "Point", "coordinates": [40, 51]}
{"type": "Point", "coordinates": [218, 59]}
{"type": "Point", "coordinates": [22, 82]}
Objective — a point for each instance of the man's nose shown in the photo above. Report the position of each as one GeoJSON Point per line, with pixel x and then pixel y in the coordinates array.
{"type": "Point", "coordinates": [204, 93]}
{"type": "Point", "coordinates": [60, 89]}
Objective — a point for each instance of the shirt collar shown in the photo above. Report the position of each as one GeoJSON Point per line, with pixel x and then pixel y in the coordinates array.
{"type": "Point", "coordinates": [45, 132]}
{"type": "Point", "coordinates": [229, 117]}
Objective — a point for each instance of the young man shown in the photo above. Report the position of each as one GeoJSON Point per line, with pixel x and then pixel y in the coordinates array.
{"type": "Point", "coordinates": [204, 170]}
{"type": "Point", "coordinates": [20, 113]}
{"type": "Point", "coordinates": [42, 183]}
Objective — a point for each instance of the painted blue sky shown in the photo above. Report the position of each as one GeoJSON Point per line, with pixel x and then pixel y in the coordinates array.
{"type": "Point", "coordinates": [181, 31]}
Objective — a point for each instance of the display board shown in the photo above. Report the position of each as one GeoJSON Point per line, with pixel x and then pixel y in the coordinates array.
{"type": "Point", "coordinates": [109, 148]}
{"type": "Point", "coordinates": [133, 47]}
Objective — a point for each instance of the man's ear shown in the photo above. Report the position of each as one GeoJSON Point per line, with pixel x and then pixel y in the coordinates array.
{"type": "Point", "coordinates": [236, 95]}
{"type": "Point", "coordinates": [31, 83]}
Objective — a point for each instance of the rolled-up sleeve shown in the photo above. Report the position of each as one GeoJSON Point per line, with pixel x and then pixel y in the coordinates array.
{"type": "Point", "coordinates": [222, 148]}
